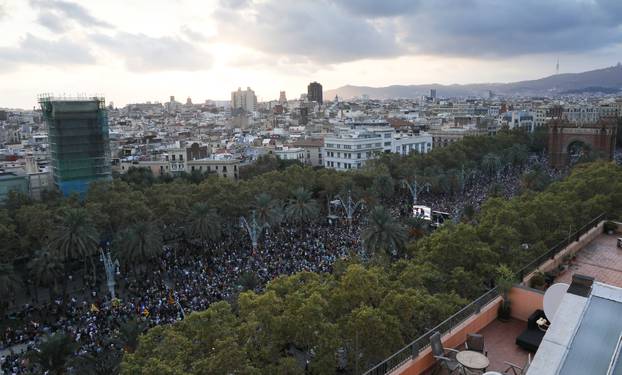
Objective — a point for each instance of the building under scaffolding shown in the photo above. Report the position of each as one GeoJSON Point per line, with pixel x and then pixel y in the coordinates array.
{"type": "Point", "coordinates": [78, 141]}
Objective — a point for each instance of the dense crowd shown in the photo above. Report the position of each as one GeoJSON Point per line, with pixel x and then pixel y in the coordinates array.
{"type": "Point", "coordinates": [198, 281]}
{"type": "Point", "coordinates": [184, 278]}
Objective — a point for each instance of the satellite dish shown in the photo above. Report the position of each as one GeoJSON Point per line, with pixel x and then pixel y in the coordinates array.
{"type": "Point", "coordinates": [552, 298]}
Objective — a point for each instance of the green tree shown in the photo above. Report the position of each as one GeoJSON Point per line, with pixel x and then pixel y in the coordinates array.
{"type": "Point", "coordinates": [204, 223]}
{"type": "Point", "coordinates": [9, 283]}
{"type": "Point", "coordinates": [138, 244]}
{"type": "Point", "coordinates": [371, 335]}
{"type": "Point", "coordinates": [383, 232]}
{"type": "Point", "coordinates": [104, 362]}
{"type": "Point", "coordinates": [268, 211]}
{"type": "Point", "coordinates": [45, 269]}
{"type": "Point", "coordinates": [383, 187]}
{"type": "Point", "coordinates": [75, 237]}
{"type": "Point", "coordinates": [9, 246]}
{"type": "Point", "coordinates": [302, 208]}
{"type": "Point", "coordinates": [491, 164]}
{"type": "Point", "coordinates": [53, 353]}
{"type": "Point", "coordinates": [129, 332]}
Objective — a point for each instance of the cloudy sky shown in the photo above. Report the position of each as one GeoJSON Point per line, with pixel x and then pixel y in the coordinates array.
{"type": "Point", "coordinates": [135, 50]}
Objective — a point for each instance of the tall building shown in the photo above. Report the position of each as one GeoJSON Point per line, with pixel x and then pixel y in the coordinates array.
{"type": "Point", "coordinates": [314, 92]}
{"type": "Point", "coordinates": [245, 100]}
{"type": "Point", "coordinates": [78, 141]}
{"type": "Point", "coordinates": [433, 94]}
{"type": "Point", "coordinates": [282, 97]}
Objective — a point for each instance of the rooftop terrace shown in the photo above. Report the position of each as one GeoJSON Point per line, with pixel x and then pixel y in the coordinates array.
{"type": "Point", "coordinates": [596, 255]}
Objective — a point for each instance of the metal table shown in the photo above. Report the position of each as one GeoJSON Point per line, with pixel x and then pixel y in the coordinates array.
{"type": "Point", "coordinates": [472, 360]}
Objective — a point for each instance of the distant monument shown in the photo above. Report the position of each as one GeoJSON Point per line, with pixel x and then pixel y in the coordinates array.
{"type": "Point", "coordinates": [569, 141]}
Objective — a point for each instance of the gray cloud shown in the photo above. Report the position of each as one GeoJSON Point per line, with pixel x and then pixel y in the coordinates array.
{"type": "Point", "coordinates": [500, 29]}
{"type": "Point", "coordinates": [143, 53]}
{"type": "Point", "coordinates": [332, 31]}
{"type": "Point", "coordinates": [193, 34]}
{"type": "Point", "coordinates": [379, 8]}
{"type": "Point", "coordinates": [37, 51]}
{"type": "Point", "coordinates": [317, 30]}
{"type": "Point", "coordinates": [57, 14]}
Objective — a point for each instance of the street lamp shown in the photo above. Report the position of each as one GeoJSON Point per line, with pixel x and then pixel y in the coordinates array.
{"type": "Point", "coordinates": [463, 179]}
{"type": "Point", "coordinates": [253, 229]}
{"type": "Point", "coordinates": [415, 188]}
{"type": "Point", "coordinates": [349, 207]}
{"type": "Point", "coordinates": [111, 267]}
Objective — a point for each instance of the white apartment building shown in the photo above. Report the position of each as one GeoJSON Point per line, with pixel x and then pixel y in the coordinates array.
{"type": "Point", "coordinates": [290, 153]}
{"type": "Point", "coordinates": [540, 116]}
{"type": "Point", "coordinates": [350, 150]}
{"type": "Point", "coordinates": [581, 113]}
{"type": "Point", "coordinates": [518, 119]}
{"type": "Point", "coordinates": [246, 100]}
{"type": "Point", "coordinates": [404, 144]}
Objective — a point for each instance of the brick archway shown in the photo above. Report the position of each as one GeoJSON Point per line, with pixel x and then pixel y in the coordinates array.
{"type": "Point", "coordinates": [600, 137]}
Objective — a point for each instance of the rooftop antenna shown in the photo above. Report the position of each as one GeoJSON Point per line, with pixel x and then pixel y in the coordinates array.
{"type": "Point", "coordinates": [557, 67]}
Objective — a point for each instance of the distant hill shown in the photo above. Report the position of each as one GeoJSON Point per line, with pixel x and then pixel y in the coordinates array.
{"type": "Point", "coordinates": [606, 80]}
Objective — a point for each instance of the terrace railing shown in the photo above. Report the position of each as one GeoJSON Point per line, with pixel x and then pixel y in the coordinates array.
{"type": "Point", "coordinates": [561, 245]}
{"type": "Point", "coordinates": [412, 350]}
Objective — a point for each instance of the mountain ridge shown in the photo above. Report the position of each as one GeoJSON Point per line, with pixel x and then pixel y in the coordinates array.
{"type": "Point", "coordinates": [609, 78]}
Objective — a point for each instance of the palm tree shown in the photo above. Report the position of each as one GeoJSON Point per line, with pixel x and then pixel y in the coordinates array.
{"type": "Point", "coordinates": [268, 211]}
{"type": "Point", "coordinates": [301, 208]}
{"type": "Point", "coordinates": [45, 269]}
{"type": "Point", "coordinates": [75, 237]}
{"type": "Point", "coordinates": [129, 332]}
{"type": "Point", "coordinates": [383, 186]}
{"type": "Point", "coordinates": [204, 223]}
{"type": "Point", "coordinates": [139, 243]}
{"type": "Point", "coordinates": [418, 227]}
{"type": "Point", "coordinates": [9, 282]}
{"type": "Point", "coordinates": [52, 353]}
{"type": "Point", "coordinates": [491, 164]}
{"type": "Point", "coordinates": [104, 362]}
{"type": "Point", "coordinates": [383, 232]}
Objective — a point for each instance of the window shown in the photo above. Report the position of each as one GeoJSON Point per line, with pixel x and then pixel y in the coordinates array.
{"type": "Point", "coordinates": [377, 144]}
{"type": "Point", "coordinates": [173, 157]}
{"type": "Point", "coordinates": [387, 143]}
{"type": "Point", "coordinates": [358, 155]}
{"type": "Point", "coordinates": [387, 135]}
{"type": "Point", "coordinates": [193, 167]}
{"type": "Point", "coordinates": [181, 157]}
{"type": "Point", "coordinates": [358, 147]}
{"type": "Point", "coordinates": [224, 168]}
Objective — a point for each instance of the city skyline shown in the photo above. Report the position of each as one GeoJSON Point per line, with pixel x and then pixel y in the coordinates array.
{"type": "Point", "coordinates": [137, 51]}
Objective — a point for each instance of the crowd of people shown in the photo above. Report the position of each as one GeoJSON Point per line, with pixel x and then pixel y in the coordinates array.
{"type": "Point", "coordinates": [186, 280]}
{"type": "Point", "coordinates": [181, 280]}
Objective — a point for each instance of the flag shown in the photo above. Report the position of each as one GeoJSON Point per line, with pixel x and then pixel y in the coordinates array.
{"type": "Point", "coordinates": [171, 299]}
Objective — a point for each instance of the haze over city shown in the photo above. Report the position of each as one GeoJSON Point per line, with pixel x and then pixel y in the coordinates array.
{"type": "Point", "coordinates": [133, 51]}
{"type": "Point", "coordinates": [348, 187]}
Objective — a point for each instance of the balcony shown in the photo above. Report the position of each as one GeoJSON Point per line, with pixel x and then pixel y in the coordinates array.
{"type": "Point", "coordinates": [587, 252]}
